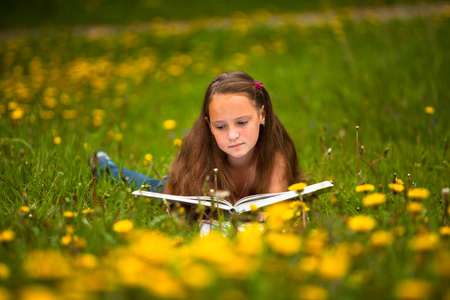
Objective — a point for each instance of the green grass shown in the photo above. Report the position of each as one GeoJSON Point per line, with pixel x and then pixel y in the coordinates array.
{"type": "Point", "coordinates": [323, 80]}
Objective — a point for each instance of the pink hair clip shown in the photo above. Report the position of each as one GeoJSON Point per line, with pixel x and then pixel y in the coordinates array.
{"type": "Point", "coordinates": [259, 85]}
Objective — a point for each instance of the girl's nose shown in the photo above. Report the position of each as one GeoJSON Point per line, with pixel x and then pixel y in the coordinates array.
{"type": "Point", "coordinates": [233, 134]}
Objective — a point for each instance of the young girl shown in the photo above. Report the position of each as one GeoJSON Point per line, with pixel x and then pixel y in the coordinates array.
{"type": "Point", "coordinates": [238, 134]}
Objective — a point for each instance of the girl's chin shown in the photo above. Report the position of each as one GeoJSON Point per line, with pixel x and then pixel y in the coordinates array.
{"type": "Point", "coordinates": [237, 154]}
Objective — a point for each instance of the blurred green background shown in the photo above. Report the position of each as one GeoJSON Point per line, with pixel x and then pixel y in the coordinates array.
{"type": "Point", "coordinates": [48, 13]}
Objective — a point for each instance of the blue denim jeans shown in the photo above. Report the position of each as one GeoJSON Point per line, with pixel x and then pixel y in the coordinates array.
{"type": "Point", "coordinates": [135, 179]}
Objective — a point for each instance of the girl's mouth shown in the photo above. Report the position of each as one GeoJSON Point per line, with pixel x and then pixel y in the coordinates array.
{"type": "Point", "coordinates": [236, 145]}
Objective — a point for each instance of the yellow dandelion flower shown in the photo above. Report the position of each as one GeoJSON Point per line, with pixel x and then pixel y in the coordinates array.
{"type": "Point", "coordinates": [17, 114]}
{"type": "Point", "coordinates": [374, 199]}
{"type": "Point", "coordinates": [57, 140]}
{"type": "Point", "coordinates": [70, 229]}
{"type": "Point", "coordinates": [444, 230]}
{"type": "Point", "coordinates": [396, 188]}
{"type": "Point", "coordinates": [4, 272]}
{"type": "Point", "coordinates": [123, 226]}
{"type": "Point", "coordinates": [365, 188]}
{"type": "Point", "coordinates": [47, 264]}
{"type": "Point", "coordinates": [425, 242]}
{"type": "Point", "coordinates": [309, 264]}
{"type": "Point", "coordinates": [429, 110]}
{"type": "Point", "coordinates": [87, 260]}
{"type": "Point", "coordinates": [415, 207]}
{"type": "Point", "coordinates": [169, 124]}
{"type": "Point", "coordinates": [413, 289]}
{"type": "Point", "coordinates": [334, 265]}
{"type": "Point", "coordinates": [66, 240]}
{"type": "Point", "coordinates": [79, 242]}
{"type": "Point", "coordinates": [88, 211]}
{"type": "Point", "coordinates": [37, 292]}
{"type": "Point", "coordinates": [70, 214]}
{"type": "Point", "coordinates": [361, 223]}
{"type": "Point", "coordinates": [418, 193]}
{"type": "Point", "coordinates": [381, 238]}
{"type": "Point", "coordinates": [278, 214]}
{"type": "Point", "coordinates": [178, 241]}
{"type": "Point", "coordinates": [398, 181]}
{"type": "Point", "coordinates": [97, 121]}
{"type": "Point", "coordinates": [297, 186]}
{"type": "Point", "coordinates": [118, 137]}
{"type": "Point", "coordinates": [316, 241]}
{"type": "Point", "coordinates": [399, 231]}
{"type": "Point", "coordinates": [197, 276]}
{"type": "Point", "coordinates": [177, 142]}
{"type": "Point", "coordinates": [24, 209]}
{"type": "Point", "coordinates": [298, 205]}
{"type": "Point", "coordinates": [69, 114]}
{"type": "Point", "coordinates": [253, 208]}
{"type": "Point", "coordinates": [98, 113]}
{"type": "Point", "coordinates": [12, 105]}
{"type": "Point", "coordinates": [148, 157]}
{"type": "Point", "coordinates": [313, 292]}
{"type": "Point", "coordinates": [285, 244]}
{"type": "Point", "coordinates": [417, 165]}
{"type": "Point", "coordinates": [7, 235]}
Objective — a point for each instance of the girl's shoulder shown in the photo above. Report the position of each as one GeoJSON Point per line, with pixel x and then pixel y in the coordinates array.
{"type": "Point", "coordinates": [277, 180]}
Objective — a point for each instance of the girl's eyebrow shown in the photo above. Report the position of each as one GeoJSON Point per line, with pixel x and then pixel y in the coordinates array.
{"type": "Point", "coordinates": [236, 119]}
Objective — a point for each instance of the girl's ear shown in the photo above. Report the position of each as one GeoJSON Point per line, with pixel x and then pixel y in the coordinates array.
{"type": "Point", "coordinates": [207, 121]}
{"type": "Point", "coordinates": [262, 113]}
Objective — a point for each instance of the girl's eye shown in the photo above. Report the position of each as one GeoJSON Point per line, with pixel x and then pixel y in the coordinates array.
{"type": "Point", "coordinates": [242, 123]}
{"type": "Point", "coordinates": [220, 127]}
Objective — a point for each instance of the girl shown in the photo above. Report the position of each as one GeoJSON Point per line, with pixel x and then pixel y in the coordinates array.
{"type": "Point", "coordinates": [238, 133]}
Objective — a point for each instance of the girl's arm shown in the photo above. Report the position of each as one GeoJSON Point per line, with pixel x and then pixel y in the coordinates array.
{"type": "Point", "coordinates": [277, 181]}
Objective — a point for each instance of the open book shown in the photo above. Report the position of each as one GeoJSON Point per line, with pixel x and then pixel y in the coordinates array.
{"type": "Point", "coordinates": [243, 204]}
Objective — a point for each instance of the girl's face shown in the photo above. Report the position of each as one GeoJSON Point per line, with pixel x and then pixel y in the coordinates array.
{"type": "Point", "coordinates": [234, 122]}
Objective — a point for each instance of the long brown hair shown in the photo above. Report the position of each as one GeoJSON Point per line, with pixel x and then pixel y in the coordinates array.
{"type": "Point", "coordinates": [192, 171]}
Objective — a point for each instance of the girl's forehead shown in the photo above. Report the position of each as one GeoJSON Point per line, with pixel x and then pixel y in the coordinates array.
{"type": "Point", "coordinates": [231, 99]}
{"type": "Point", "coordinates": [224, 106]}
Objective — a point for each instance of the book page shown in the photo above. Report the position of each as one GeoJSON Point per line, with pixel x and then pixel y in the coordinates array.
{"type": "Point", "coordinates": [316, 188]}
{"type": "Point", "coordinates": [266, 199]}
{"type": "Point", "coordinates": [205, 200]}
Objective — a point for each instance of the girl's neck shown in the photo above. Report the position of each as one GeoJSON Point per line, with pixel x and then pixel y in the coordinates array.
{"type": "Point", "coordinates": [240, 163]}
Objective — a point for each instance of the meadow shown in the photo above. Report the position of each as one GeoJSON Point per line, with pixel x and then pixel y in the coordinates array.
{"type": "Point", "coordinates": [366, 103]}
